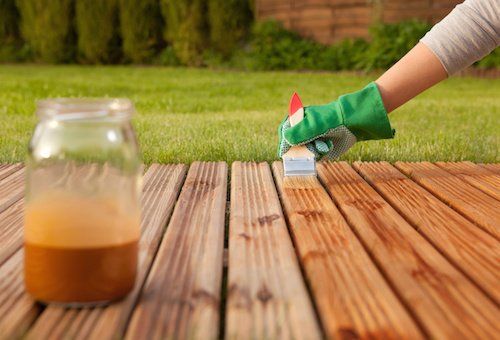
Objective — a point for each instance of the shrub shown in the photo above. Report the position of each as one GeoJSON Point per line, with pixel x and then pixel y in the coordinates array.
{"type": "Point", "coordinates": [11, 45]}
{"type": "Point", "coordinates": [167, 57]}
{"type": "Point", "coordinates": [229, 23]}
{"type": "Point", "coordinates": [141, 27]}
{"type": "Point", "coordinates": [186, 29]}
{"type": "Point", "coordinates": [96, 22]}
{"type": "Point", "coordinates": [347, 54]}
{"type": "Point", "coordinates": [274, 48]}
{"type": "Point", "coordinates": [9, 17]}
{"type": "Point", "coordinates": [390, 42]}
{"type": "Point", "coordinates": [46, 27]}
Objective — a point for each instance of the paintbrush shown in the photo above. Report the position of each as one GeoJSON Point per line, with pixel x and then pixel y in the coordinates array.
{"type": "Point", "coordinates": [298, 161]}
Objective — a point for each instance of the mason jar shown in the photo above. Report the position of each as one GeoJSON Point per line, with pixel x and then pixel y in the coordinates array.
{"type": "Point", "coordinates": [82, 209]}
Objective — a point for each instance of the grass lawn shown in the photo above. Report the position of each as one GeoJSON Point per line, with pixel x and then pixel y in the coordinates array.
{"type": "Point", "coordinates": [195, 114]}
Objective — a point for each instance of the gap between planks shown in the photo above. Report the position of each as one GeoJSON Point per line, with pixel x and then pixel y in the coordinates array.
{"type": "Point", "coordinates": [161, 186]}
{"type": "Point", "coordinates": [181, 297]}
{"type": "Point", "coordinates": [475, 175]}
{"type": "Point", "coordinates": [68, 323]}
{"type": "Point", "coordinates": [267, 297]}
{"type": "Point", "coordinates": [352, 297]}
{"type": "Point", "coordinates": [445, 302]}
{"type": "Point", "coordinates": [11, 185]}
{"type": "Point", "coordinates": [469, 248]}
{"type": "Point", "coordinates": [477, 206]}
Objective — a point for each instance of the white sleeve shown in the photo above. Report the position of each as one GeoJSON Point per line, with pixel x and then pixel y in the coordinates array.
{"type": "Point", "coordinates": [470, 32]}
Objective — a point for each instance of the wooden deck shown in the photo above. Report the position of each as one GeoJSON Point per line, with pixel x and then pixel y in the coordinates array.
{"type": "Point", "coordinates": [368, 250]}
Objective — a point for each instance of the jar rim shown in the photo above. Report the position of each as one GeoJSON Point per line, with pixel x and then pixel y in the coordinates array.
{"type": "Point", "coordinates": [84, 108]}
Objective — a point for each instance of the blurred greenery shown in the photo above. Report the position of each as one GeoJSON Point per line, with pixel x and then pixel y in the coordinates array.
{"type": "Point", "coordinates": [390, 42]}
{"type": "Point", "coordinates": [98, 34]}
{"type": "Point", "coordinates": [186, 29]}
{"type": "Point", "coordinates": [141, 26]}
{"type": "Point", "coordinates": [229, 22]}
{"type": "Point", "coordinates": [201, 33]}
{"type": "Point", "coordinates": [47, 26]}
{"type": "Point", "coordinates": [198, 114]}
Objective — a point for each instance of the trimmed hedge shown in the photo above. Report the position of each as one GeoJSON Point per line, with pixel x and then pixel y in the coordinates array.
{"type": "Point", "coordinates": [10, 40]}
{"type": "Point", "coordinates": [272, 47]}
{"type": "Point", "coordinates": [46, 25]}
{"type": "Point", "coordinates": [229, 23]}
{"type": "Point", "coordinates": [9, 17]}
{"type": "Point", "coordinates": [141, 27]}
{"type": "Point", "coordinates": [390, 42]}
{"type": "Point", "coordinates": [98, 39]}
{"type": "Point", "coordinates": [186, 29]}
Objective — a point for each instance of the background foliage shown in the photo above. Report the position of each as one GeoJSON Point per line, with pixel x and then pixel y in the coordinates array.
{"type": "Point", "coordinates": [47, 26]}
{"type": "Point", "coordinates": [141, 28]}
{"type": "Point", "coordinates": [229, 24]}
{"type": "Point", "coordinates": [98, 34]}
{"type": "Point", "coordinates": [186, 29]}
{"type": "Point", "coordinates": [208, 33]}
{"type": "Point", "coordinates": [391, 42]}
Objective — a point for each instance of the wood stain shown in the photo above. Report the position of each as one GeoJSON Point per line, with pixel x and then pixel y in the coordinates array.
{"type": "Point", "coordinates": [80, 274]}
{"type": "Point", "coordinates": [79, 249]}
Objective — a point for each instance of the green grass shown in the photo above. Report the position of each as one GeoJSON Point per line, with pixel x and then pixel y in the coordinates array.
{"type": "Point", "coordinates": [197, 114]}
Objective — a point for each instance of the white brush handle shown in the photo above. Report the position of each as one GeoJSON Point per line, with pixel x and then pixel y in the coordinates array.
{"type": "Point", "coordinates": [297, 117]}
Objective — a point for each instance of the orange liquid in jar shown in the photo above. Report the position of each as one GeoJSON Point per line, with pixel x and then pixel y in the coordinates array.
{"type": "Point", "coordinates": [79, 249]}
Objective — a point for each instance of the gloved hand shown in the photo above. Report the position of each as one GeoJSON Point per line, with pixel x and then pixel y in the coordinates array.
{"type": "Point", "coordinates": [330, 130]}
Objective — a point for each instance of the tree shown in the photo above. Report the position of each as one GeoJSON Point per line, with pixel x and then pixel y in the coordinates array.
{"type": "Point", "coordinates": [9, 17]}
{"type": "Point", "coordinates": [141, 28]}
{"type": "Point", "coordinates": [186, 29]}
{"type": "Point", "coordinates": [46, 26]}
{"type": "Point", "coordinates": [229, 23]}
{"type": "Point", "coordinates": [97, 29]}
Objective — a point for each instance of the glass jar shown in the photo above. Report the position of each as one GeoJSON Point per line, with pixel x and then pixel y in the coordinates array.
{"type": "Point", "coordinates": [82, 209]}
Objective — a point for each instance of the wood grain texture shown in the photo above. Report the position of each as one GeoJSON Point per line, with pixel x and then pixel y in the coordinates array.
{"type": "Point", "coordinates": [267, 297]}
{"type": "Point", "coordinates": [181, 297]}
{"type": "Point", "coordinates": [445, 302]}
{"type": "Point", "coordinates": [11, 230]}
{"type": "Point", "coordinates": [352, 297]}
{"type": "Point", "coordinates": [475, 175]}
{"type": "Point", "coordinates": [474, 204]}
{"type": "Point", "coordinates": [469, 248]}
{"type": "Point", "coordinates": [493, 167]}
{"type": "Point", "coordinates": [162, 184]}
{"type": "Point", "coordinates": [17, 310]}
{"type": "Point", "coordinates": [11, 188]}
{"type": "Point", "coordinates": [7, 169]}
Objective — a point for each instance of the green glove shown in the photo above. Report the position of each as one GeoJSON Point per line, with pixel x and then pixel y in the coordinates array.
{"type": "Point", "coordinates": [330, 130]}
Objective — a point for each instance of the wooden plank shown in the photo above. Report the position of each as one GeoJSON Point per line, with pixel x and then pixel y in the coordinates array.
{"type": "Point", "coordinates": [181, 297]}
{"type": "Point", "coordinates": [474, 204]}
{"type": "Point", "coordinates": [469, 248]}
{"type": "Point", "coordinates": [477, 176]}
{"type": "Point", "coordinates": [444, 301]}
{"type": "Point", "coordinates": [352, 297]}
{"type": "Point", "coordinates": [11, 233]}
{"type": "Point", "coordinates": [7, 169]}
{"type": "Point", "coordinates": [11, 188]}
{"type": "Point", "coordinates": [267, 297]}
{"type": "Point", "coordinates": [17, 310]}
{"type": "Point", "coordinates": [161, 186]}
{"type": "Point", "coordinates": [493, 167]}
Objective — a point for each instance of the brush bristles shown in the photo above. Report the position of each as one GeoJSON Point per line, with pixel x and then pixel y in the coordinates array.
{"type": "Point", "coordinates": [299, 166]}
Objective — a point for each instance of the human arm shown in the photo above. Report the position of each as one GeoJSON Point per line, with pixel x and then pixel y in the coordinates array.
{"type": "Point", "coordinates": [469, 32]}
{"type": "Point", "coordinates": [418, 70]}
